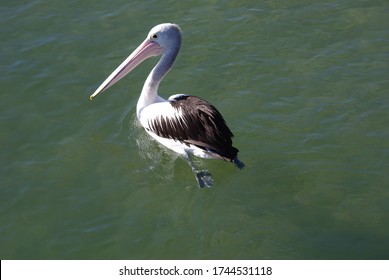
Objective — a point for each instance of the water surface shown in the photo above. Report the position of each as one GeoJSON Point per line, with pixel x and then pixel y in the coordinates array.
{"type": "Point", "coordinates": [302, 84]}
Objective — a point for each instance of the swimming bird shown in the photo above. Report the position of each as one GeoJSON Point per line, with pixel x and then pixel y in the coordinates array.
{"type": "Point", "coordinates": [186, 124]}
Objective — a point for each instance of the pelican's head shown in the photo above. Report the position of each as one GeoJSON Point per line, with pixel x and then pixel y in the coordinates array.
{"type": "Point", "coordinates": [163, 38]}
{"type": "Point", "coordinates": [167, 35]}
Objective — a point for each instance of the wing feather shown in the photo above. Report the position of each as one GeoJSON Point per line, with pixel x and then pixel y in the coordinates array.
{"type": "Point", "coordinates": [194, 121]}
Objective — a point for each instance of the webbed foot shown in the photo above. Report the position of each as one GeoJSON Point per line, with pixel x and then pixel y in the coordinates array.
{"type": "Point", "coordinates": [204, 179]}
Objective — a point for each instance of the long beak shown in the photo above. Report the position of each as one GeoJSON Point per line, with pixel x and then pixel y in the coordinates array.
{"type": "Point", "coordinates": [147, 49]}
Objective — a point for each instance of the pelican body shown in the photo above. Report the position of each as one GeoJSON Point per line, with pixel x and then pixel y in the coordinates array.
{"type": "Point", "coordinates": [186, 124]}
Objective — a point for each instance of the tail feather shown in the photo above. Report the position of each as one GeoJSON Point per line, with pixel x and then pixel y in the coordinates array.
{"type": "Point", "coordinates": [238, 163]}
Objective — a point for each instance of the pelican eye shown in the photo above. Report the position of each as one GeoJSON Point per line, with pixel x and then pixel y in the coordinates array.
{"type": "Point", "coordinates": [155, 36]}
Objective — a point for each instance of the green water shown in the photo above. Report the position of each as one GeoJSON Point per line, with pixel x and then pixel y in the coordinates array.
{"type": "Point", "coordinates": [302, 84]}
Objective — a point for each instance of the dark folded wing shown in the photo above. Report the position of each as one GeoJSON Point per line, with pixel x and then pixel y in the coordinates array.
{"type": "Point", "coordinates": [196, 122]}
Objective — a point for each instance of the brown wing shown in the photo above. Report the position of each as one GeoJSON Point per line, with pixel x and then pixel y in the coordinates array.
{"type": "Point", "coordinates": [199, 123]}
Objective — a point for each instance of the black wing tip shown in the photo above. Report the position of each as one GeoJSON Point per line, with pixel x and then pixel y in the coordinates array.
{"type": "Point", "coordinates": [238, 163]}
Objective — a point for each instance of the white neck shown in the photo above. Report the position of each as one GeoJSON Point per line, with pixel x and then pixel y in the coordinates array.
{"type": "Point", "coordinates": [149, 94]}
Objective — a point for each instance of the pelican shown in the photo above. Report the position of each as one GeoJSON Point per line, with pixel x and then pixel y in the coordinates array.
{"type": "Point", "coordinates": [186, 124]}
